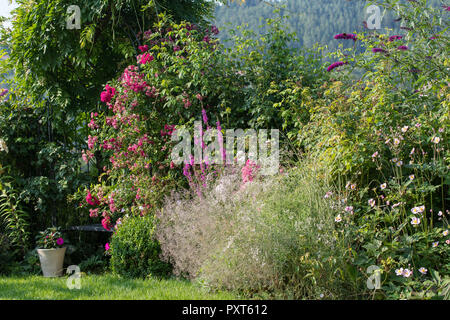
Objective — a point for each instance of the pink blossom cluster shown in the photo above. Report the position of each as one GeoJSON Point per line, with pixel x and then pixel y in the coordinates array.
{"type": "Point", "coordinates": [92, 140]}
{"type": "Point", "coordinates": [145, 57]}
{"type": "Point", "coordinates": [92, 200]}
{"type": "Point", "coordinates": [92, 123]}
{"type": "Point", "coordinates": [111, 144]}
{"type": "Point", "coordinates": [127, 147]}
{"type": "Point", "coordinates": [133, 80]}
{"type": "Point", "coordinates": [87, 155]}
{"type": "Point", "coordinates": [168, 130]}
{"type": "Point", "coordinates": [107, 95]}
{"type": "Point", "coordinates": [249, 171]}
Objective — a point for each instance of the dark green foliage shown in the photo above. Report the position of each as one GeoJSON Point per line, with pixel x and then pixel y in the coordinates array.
{"type": "Point", "coordinates": [135, 251]}
{"type": "Point", "coordinates": [93, 264]}
{"type": "Point", "coordinates": [70, 67]}
{"type": "Point", "coordinates": [87, 250]}
{"type": "Point", "coordinates": [44, 168]}
{"type": "Point", "coordinates": [277, 81]}
{"type": "Point", "coordinates": [13, 219]}
{"type": "Point", "coordinates": [6, 254]}
{"type": "Point", "coordinates": [31, 263]}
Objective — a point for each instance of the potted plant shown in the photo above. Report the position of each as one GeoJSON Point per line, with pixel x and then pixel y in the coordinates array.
{"type": "Point", "coordinates": [51, 252]}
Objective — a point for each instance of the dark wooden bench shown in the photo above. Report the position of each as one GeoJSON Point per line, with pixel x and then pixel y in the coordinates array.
{"type": "Point", "coordinates": [91, 228]}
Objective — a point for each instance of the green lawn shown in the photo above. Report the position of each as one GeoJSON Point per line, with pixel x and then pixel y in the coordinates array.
{"type": "Point", "coordinates": [104, 287]}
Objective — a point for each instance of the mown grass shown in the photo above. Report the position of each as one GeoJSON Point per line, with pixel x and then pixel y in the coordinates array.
{"type": "Point", "coordinates": [104, 287]}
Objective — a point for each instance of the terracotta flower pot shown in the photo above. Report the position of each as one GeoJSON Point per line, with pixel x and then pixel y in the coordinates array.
{"type": "Point", "coordinates": [52, 261]}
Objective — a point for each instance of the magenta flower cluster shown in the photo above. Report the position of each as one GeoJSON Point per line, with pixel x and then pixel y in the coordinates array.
{"type": "Point", "coordinates": [335, 65]}
{"type": "Point", "coordinates": [375, 50]}
{"type": "Point", "coordinates": [106, 95]}
{"type": "Point", "coordinates": [393, 38]}
{"type": "Point", "coordinates": [346, 36]}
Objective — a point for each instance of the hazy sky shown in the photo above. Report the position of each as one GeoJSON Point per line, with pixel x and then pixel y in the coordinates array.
{"type": "Point", "coordinates": [6, 7]}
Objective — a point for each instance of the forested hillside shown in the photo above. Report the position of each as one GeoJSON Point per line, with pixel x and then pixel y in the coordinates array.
{"type": "Point", "coordinates": [313, 21]}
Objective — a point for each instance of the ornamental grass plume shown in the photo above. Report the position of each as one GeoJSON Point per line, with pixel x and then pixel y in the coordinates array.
{"type": "Point", "coordinates": [248, 238]}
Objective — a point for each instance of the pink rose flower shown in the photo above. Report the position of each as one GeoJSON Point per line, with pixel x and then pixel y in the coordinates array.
{"type": "Point", "coordinates": [105, 97]}
{"type": "Point", "coordinates": [146, 57]}
{"type": "Point", "coordinates": [143, 48]}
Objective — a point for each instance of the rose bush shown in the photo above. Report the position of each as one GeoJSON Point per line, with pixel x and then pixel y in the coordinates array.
{"type": "Point", "coordinates": [177, 78]}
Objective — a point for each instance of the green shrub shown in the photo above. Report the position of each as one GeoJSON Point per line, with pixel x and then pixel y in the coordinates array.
{"type": "Point", "coordinates": [135, 251]}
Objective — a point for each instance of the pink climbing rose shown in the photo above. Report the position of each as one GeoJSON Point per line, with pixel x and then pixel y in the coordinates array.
{"type": "Point", "coordinates": [106, 223]}
{"type": "Point", "coordinates": [143, 48]}
{"type": "Point", "coordinates": [106, 96]}
{"type": "Point", "coordinates": [91, 199]}
{"type": "Point", "coordinates": [146, 57]}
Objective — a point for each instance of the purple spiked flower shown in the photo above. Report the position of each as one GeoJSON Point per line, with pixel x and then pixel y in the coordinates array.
{"type": "Point", "coordinates": [346, 36]}
{"type": "Point", "coordinates": [393, 38]}
{"type": "Point", "coordinates": [335, 65]}
{"type": "Point", "coordinates": [375, 50]}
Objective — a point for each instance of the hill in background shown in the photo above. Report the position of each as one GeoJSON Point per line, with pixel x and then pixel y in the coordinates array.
{"type": "Point", "coordinates": [314, 21]}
